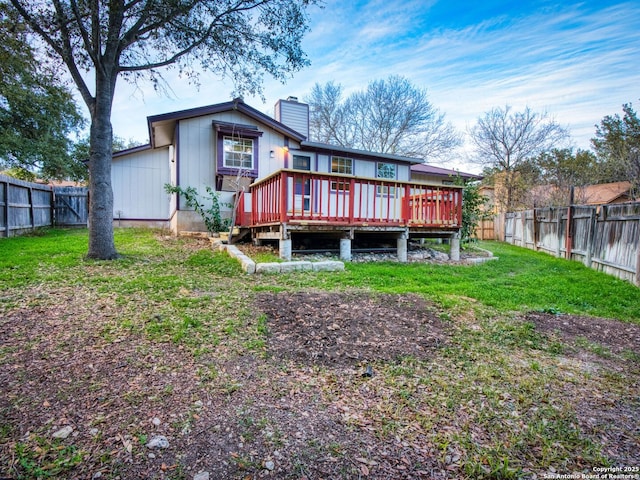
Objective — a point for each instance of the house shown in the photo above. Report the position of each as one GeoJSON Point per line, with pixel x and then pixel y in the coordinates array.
{"type": "Point", "coordinates": [280, 185]}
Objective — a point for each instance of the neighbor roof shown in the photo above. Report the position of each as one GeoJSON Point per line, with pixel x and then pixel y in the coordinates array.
{"type": "Point", "coordinates": [603, 193]}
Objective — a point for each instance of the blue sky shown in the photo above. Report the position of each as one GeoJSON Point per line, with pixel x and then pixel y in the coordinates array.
{"type": "Point", "coordinates": [577, 61]}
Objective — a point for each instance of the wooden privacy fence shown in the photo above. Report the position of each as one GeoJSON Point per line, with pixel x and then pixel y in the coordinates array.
{"type": "Point", "coordinates": [603, 237]}
{"type": "Point", "coordinates": [25, 206]}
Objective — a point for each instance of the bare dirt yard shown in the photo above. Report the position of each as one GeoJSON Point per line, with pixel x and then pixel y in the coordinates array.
{"type": "Point", "coordinates": [281, 382]}
{"type": "Point", "coordinates": [309, 409]}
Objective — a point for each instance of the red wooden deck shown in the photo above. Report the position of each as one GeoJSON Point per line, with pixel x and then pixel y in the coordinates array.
{"type": "Point", "coordinates": [294, 196]}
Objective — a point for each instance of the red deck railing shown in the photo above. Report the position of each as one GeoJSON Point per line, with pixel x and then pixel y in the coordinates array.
{"type": "Point", "coordinates": [294, 196]}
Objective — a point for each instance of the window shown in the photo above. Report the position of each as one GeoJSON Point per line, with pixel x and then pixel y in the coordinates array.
{"type": "Point", "coordinates": [302, 186]}
{"type": "Point", "coordinates": [342, 165]}
{"type": "Point", "coordinates": [301, 162]}
{"type": "Point", "coordinates": [237, 149]}
{"type": "Point", "coordinates": [238, 152]}
{"type": "Point", "coordinates": [340, 186]}
{"type": "Point", "coordinates": [385, 170]}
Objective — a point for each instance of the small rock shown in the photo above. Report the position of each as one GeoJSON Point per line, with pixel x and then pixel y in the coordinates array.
{"type": "Point", "coordinates": [96, 475]}
{"type": "Point", "coordinates": [198, 404]}
{"type": "Point", "coordinates": [93, 432]}
{"type": "Point", "coordinates": [152, 456]}
{"type": "Point", "coordinates": [201, 476]}
{"type": "Point", "coordinates": [158, 442]}
{"type": "Point", "coordinates": [63, 432]}
{"type": "Point", "coordinates": [156, 421]}
{"type": "Point", "coordinates": [269, 465]}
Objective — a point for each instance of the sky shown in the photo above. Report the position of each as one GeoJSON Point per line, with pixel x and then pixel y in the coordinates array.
{"type": "Point", "coordinates": [574, 61]}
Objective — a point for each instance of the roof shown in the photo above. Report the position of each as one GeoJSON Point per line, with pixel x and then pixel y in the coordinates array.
{"type": "Point", "coordinates": [161, 127]}
{"type": "Point", "coordinates": [352, 152]}
{"type": "Point", "coordinates": [603, 193]}
{"type": "Point", "coordinates": [126, 151]}
{"type": "Point", "coordinates": [439, 171]}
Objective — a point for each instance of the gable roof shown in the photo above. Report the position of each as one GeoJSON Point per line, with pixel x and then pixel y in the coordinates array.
{"type": "Point", "coordinates": [161, 127]}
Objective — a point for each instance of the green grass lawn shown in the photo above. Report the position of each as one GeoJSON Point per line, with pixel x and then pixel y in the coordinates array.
{"type": "Point", "coordinates": [521, 280]}
{"type": "Point", "coordinates": [498, 400]}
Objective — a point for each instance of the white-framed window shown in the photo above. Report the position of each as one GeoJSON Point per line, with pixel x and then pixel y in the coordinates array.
{"type": "Point", "coordinates": [340, 186]}
{"type": "Point", "coordinates": [385, 170]}
{"type": "Point", "coordinates": [342, 165]}
{"type": "Point", "coordinates": [238, 152]}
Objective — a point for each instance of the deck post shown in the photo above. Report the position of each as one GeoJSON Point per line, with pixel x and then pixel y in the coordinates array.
{"type": "Point", "coordinates": [454, 253]}
{"type": "Point", "coordinates": [285, 249]}
{"type": "Point", "coordinates": [345, 249]}
{"type": "Point", "coordinates": [402, 249]}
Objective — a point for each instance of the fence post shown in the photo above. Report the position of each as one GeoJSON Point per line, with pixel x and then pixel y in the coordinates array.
{"type": "Point", "coordinates": [31, 210]}
{"type": "Point", "coordinates": [7, 227]}
{"type": "Point", "coordinates": [53, 207]}
{"type": "Point", "coordinates": [558, 229]}
{"type": "Point", "coordinates": [591, 235]}
{"type": "Point", "coordinates": [569, 233]}
{"type": "Point", "coordinates": [638, 260]}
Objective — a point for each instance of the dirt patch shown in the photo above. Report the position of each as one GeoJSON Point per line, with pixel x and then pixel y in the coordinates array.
{"type": "Point", "coordinates": [610, 345]}
{"type": "Point", "coordinates": [616, 336]}
{"type": "Point", "coordinates": [240, 415]}
{"type": "Point", "coordinates": [348, 329]}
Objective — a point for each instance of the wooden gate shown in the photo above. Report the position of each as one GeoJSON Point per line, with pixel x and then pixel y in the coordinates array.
{"type": "Point", "coordinates": [71, 206]}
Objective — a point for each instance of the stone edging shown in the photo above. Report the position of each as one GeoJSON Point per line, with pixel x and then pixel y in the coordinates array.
{"type": "Point", "coordinates": [251, 267]}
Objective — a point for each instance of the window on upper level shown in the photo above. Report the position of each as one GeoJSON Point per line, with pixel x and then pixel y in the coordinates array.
{"type": "Point", "coordinates": [342, 165]}
{"type": "Point", "coordinates": [238, 152]}
{"type": "Point", "coordinates": [301, 162]}
{"type": "Point", "coordinates": [237, 148]}
{"type": "Point", "coordinates": [385, 170]}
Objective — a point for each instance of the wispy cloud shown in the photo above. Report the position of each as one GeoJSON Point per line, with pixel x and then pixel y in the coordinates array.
{"type": "Point", "coordinates": [579, 62]}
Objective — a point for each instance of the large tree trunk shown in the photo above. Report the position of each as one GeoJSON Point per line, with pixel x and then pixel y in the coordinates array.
{"type": "Point", "coordinates": [101, 244]}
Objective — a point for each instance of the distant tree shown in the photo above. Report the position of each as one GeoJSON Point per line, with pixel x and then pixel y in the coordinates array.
{"type": "Point", "coordinates": [505, 140]}
{"type": "Point", "coordinates": [37, 112]}
{"type": "Point", "coordinates": [617, 146]}
{"type": "Point", "coordinates": [109, 38]}
{"type": "Point", "coordinates": [80, 152]}
{"type": "Point", "coordinates": [561, 169]}
{"type": "Point", "coordinates": [390, 116]}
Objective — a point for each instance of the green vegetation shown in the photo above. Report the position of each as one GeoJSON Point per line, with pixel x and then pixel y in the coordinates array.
{"type": "Point", "coordinates": [520, 280]}
{"type": "Point", "coordinates": [210, 214]}
{"type": "Point", "coordinates": [496, 400]}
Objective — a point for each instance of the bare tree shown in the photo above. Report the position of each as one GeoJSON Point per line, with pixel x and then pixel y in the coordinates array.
{"type": "Point", "coordinates": [325, 112]}
{"type": "Point", "coordinates": [390, 116]}
{"type": "Point", "coordinates": [240, 39]}
{"type": "Point", "coordinates": [504, 140]}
